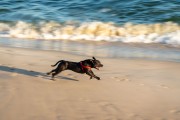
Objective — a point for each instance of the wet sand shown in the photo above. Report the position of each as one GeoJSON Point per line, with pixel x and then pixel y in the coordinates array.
{"type": "Point", "coordinates": [149, 51]}
{"type": "Point", "coordinates": [129, 89]}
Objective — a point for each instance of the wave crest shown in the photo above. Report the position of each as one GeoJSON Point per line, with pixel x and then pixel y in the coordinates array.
{"type": "Point", "coordinates": [168, 33]}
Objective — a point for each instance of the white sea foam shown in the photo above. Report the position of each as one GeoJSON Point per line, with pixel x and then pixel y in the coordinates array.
{"type": "Point", "coordinates": [166, 33]}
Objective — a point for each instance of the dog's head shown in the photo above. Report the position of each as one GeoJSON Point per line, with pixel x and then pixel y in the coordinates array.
{"type": "Point", "coordinates": [96, 63]}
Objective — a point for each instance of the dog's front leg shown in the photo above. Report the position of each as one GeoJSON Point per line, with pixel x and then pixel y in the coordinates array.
{"type": "Point", "coordinates": [91, 74]}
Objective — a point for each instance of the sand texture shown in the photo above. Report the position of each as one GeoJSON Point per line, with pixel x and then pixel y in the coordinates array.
{"type": "Point", "coordinates": [128, 89]}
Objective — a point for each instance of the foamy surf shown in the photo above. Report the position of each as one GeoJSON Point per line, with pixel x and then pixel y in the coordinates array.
{"type": "Point", "coordinates": [166, 33]}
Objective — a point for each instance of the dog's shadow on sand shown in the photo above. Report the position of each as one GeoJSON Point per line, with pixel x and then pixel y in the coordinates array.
{"type": "Point", "coordinates": [31, 73]}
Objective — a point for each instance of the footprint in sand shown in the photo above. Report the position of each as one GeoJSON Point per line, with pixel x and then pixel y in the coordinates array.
{"type": "Point", "coordinates": [141, 84]}
{"type": "Point", "coordinates": [120, 79]}
{"type": "Point", "coordinates": [110, 110]}
{"type": "Point", "coordinates": [133, 115]}
{"type": "Point", "coordinates": [104, 103]}
{"type": "Point", "coordinates": [125, 79]}
{"type": "Point", "coordinates": [31, 64]}
{"type": "Point", "coordinates": [85, 99]}
{"type": "Point", "coordinates": [10, 50]}
{"type": "Point", "coordinates": [109, 107]}
{"type": "Point", "coordinates": [174, 111]}
{"type": "Point", "coordinates": [137, 117]}
{"type": "Point", "coordinates": [163, 86]}
{"type": "Point", "coordinates": [59, 117]}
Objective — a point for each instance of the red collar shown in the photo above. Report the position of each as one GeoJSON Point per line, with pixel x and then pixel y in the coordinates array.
{"type": "Point", "coordinates": [85, 67]}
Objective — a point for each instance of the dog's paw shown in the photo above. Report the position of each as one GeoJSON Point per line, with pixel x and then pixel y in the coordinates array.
{"type": "Point", "coordinates": [98, 78]}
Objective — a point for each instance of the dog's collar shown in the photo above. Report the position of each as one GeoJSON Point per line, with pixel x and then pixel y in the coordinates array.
{"type": "Point", "coordinates": [85, 67]}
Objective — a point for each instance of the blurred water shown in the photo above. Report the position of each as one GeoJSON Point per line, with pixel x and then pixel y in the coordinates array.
{"type": "Point", "coordinates": [117, 11]}
{"type": "Point", "coordinates": [103, 49]}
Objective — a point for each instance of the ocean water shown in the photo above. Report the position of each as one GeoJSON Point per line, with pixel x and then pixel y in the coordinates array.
{"type": "Point", "coordinates": [145, 22]}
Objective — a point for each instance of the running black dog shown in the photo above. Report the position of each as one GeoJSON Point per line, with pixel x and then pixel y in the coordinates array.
{"type": "Point", "coordinates": [79, 67]}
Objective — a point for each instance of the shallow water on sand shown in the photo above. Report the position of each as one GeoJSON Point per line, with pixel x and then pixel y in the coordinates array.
{"type": "Point", "coordinates": [100, 49]}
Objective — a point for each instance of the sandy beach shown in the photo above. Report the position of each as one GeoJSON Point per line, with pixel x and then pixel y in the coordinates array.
{"type": "Point", "coordinates": [129, 89]}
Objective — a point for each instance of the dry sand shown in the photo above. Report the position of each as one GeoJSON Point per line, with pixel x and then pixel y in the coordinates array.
{"type": "Point", "coordinates": [129, 89]}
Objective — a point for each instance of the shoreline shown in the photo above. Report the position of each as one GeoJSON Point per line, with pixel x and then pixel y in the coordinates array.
{"type": "Point", "coordinates": [117, 50]}
{"type": "Point", "coordinates": [128, 89]}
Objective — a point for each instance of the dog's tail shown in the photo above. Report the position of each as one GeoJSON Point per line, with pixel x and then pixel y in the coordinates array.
{"type": "Point", "coordinates": [56, 63]}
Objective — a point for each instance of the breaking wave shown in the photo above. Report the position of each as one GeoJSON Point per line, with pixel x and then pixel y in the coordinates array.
{"type": "Point", "coordinates": [164, 33]}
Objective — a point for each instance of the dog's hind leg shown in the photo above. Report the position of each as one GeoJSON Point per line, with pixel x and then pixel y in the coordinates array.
{"type": "Point", "coordinates": [61, 67]}
{"type": "Point", "coordinates": [55, 73]}
{"type": "Point", "coordinates": [52, 71]}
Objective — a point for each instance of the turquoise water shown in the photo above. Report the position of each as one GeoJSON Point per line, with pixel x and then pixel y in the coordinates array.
{"type": "Point", "coordinates": [117, 11]}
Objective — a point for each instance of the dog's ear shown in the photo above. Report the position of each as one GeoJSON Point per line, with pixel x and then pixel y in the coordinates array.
{"type": "Point", "coordinates": [94, 58]}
